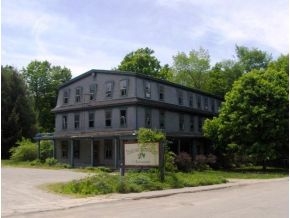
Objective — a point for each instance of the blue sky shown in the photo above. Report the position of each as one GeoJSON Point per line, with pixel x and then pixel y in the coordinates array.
{"type": "Point", "coordinates": [97, 34]}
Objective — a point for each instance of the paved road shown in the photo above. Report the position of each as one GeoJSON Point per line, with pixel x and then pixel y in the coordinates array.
{"type": "Point", "coordinates": [21, 198]}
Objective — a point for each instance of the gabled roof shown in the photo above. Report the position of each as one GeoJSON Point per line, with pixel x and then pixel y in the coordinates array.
{"type": "Point", "coordinates": [128, 73]}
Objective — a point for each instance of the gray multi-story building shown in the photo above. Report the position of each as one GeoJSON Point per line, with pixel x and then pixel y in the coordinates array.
{"type": "Point", "coordinates": [98, 111]}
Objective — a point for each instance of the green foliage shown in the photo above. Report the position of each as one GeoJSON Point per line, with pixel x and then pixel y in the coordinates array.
{"type": "Point", "coordinates": [141, 61]}
{"type": "Point", "coordinates": [18, 117]}
{"type": "Point", "coordinates": [145, 135]}
{"type": "Point", "coordinates": [192, 70]}
{"type": "Point", "coordinates": [46, 149]}
{"type": "Point", "coordinates": [170, 165]}
{"type": "Point", "coordinates": [50, 161]}
{"type": "Point", "coordinates": [43, 81]}
{"type": "Point", "coordinates": [254, 116]}
{"type": "Point", "coordinates": [25, 151]}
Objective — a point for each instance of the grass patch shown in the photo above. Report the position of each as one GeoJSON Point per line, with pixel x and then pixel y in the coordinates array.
{"type": "Point", "coordinates": [33, 164]}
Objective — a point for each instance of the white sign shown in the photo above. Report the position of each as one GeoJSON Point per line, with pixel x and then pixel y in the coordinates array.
{"type": "Point", "coordinates": [141, 154]}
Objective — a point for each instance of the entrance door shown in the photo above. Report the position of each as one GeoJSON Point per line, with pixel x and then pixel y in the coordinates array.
{"type": "Point", "coordinates": [96, 159]}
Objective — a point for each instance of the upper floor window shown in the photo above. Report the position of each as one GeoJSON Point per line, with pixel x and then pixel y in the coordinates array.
{"type": "Point", "coordinates": [91, 119]}
{"type": "Point", "coordinates": [161, 93]}
{"type": "Point", "coordinates": [77, 149]}
{"type": "Point", "coordinates": [161, 119]}
{"type": "Point", "coordinates": [64, 122]}
{"type": "Point", "coordinates": [124, 87]}
{"type": "Point", "coordinates": [109, 89]}
{"type": "Point", "coordinates": [191, 123]}
{"type": "Point", "coordinates": [93, 91]}
{"type": "Point", "coordinates": [123, 118]}
{"type": "Point", "coordinates": [147, 118]}
{"type": "Point", "coordinates": [212, 105]}
{"type": "Point", "coordinates": [77, 121]}
{"type": "Point", "coordinates": [190, 100]}
{"type": "Point", "coordinates": [108, 118]}
{"type": "Point", "coordinates": [78, 94]}
{"type": "Point", "coordinates": [147, 87]}
{"type": "Point", "coordinates": [180, 97]}
{"type": "Point", "coordinates": [181, 122]}
{"type": "Point", "coordinates": [65, 96]}
{"type": "Point", "coordinates": [206, 103]}
{"type": "Point", "coordinates": [198, 101]}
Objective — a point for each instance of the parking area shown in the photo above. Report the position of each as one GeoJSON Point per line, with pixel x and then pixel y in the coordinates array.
{"type": "Point", "coordinates": [20, 190]}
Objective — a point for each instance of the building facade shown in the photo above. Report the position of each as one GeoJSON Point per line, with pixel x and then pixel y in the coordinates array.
{"type": "Point", "coordinates": [98, 111]}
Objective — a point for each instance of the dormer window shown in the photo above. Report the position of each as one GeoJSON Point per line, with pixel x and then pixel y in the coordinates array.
{"type": "Point", "coordinates": [124, 87]}
{"type": "Point", "coordinates": [147, 90]}
{"type": "Point", "coordinates": [109, 89]}
{"type": "Point", "coordinates": [65, 96]}
{"type": "Point", "coordinates": [93, 92]}
{"type": "Point", "coordinates": [78, 94]}
{"type": "Point", "coordinates": [180, 97]}
{"type": "Point", "coordinates": [161, 93]}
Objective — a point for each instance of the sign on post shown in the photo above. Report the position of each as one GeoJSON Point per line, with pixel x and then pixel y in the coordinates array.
{"type": "Point", "coordinates": [141, 154]}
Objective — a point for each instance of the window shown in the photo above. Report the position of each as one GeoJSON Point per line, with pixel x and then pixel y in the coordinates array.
{"type": "Point", "coordinates": [93, 92]}
{"type": "Point", "coordinates": [91, 119]}
{"type": "Point", "coordinates": [124, 87]}
{"type": "Point", "coordinates": [76, 149]}
{"type": "Point", "coordinates": [108, 150]}
{"type": "Point", "coordinates": [198, 102]}
{"type": "Point", "coordinates": [78, 94]}
{"type": "Point", "coordinates": [200, 124]}
{"type": "Point", "coordinates": [191, 123]}
{"type": "Point", "coordinates": [147, 118]}
{"type": "Point", "coordinates": [109, 89]}
{"type": "Point", "coordinates": [64, 149]}
{"type": "Point", "coordinates": [108, 118]}
{"type": "Point", "coordinates": [64, 122]}
{"type": "Point", "coordinates": [77, 121]}
{"type": "Point", "coordinates": [181, 122]}
{"type": "Point", "coordinates": [161, 93]}
{"type": "Point", "coordinates": [205, 103]}
{"type": "Point", "coordinates": [147, 86]}
{"type": "Point", "coordinates": [180, 97]}
{"type": "Point", "coordinates": [161, 119]}
{"type": "Point", "coordinates": [212, 105]}
{"type": "Point", "coordinates": [123, 118]}
{"type": "Point", "coordinates": [190, 100]}
{"type": "Point", "coordinates": [65, 96]}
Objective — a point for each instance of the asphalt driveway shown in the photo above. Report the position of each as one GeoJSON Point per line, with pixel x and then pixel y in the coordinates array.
{"type": "Point", "coordinates": [20, 191]}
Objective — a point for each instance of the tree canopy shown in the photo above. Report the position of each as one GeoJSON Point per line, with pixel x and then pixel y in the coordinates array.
{"type": "Point", "coordinates": [43, 81]}
{"type": "Point", "coordinates": [254, 117]}
{"type": "Point", "coordinates": [18, 117]}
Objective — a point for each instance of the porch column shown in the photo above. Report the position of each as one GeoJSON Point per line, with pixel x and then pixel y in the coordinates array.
{"type": "Point", "coordinates": [116, 153]}
{"type": "Point", "coordinates": [53, 149]}
{"type": "Point", "coordinates": [72, 152]}
{"type": "Point", "coordinates": [92, 152]}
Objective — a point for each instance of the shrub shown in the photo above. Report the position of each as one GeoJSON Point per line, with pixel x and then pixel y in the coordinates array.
{"type": "Point", "coordinates": [25, 151]}
{"type": "Point", "coordinates": [50, 161]}
{"type": "Point", "coordinates": [45, 150]}
{"type": "Point", "coordinates": [202, 162]}
{"type": "Point", "coordinates": [183, 162]}
{"type": "Point", "coordinates": [170, 165]}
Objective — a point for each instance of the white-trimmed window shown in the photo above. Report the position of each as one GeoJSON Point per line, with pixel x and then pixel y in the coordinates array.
{"type": "Point", "coordinates": [181, 122]}
{"type": "Point", "coordinates": [191, 123]}
{"type": "Point", "coordinates": [91, 119]}
{"type": "Point", "coordinates": [190, 100]}
{"type": "Point", "coordinates": [147, 118]}
{"type": "Point", "coordinates": [66, 96]}
{"type": "Point", "coordinates": [147, 89]}
{"type": "Point", "coordinates": [124, 87]}
{"type": "Point", "coordinates": [64, 121]}
{"type": "Point", "coordinates": [93, 92]}
{"type": "Point", "coordinates": [123, 118]}
{"type": "Point", "coordinates": [109, 89]}
{"type": "Point", "coordinates": [161, 93]}
{"type": "Point", "coordinates": [108, 149]}
{"type": "Point", "coordinates": [180, 97]}
{"type": "Point", "coordinates": [78, 94]}
{"type": "Point", "coordinates": [206, 103]}
{"type": "Point", "coordinates": [108, 118]}
{"type": "Point", "coordinates": [161, 119]}
{"type": "Point", "coordinates": [77, 121]}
